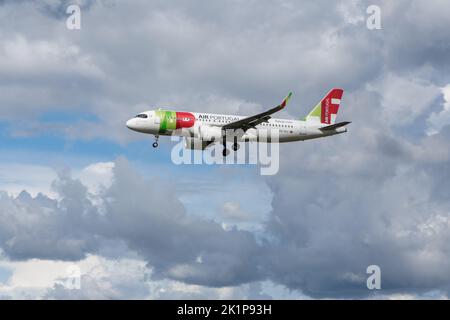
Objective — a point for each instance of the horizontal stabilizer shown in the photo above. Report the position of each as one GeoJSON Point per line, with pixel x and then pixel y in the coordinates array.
{"type": "Point", "coordinates": [335, 126]}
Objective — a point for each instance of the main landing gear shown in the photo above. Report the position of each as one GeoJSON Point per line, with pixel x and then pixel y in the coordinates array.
{"type": "Point", "coordinates": [225, 151]}
{"type": "Point", "coordinates": [155, 144]}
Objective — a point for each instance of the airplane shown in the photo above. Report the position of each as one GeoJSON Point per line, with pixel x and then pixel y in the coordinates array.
{"type": "Point", "coordinates": [201, 130]}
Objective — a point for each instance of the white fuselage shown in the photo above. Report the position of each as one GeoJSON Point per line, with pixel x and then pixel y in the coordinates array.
{"type": "Point", "coordinates": [192, 124]}
{"type": "Point", "coordinates": [287, 129]}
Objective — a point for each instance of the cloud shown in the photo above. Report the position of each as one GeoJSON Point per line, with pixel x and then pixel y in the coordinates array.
{"type": "Point", "coordinates": [438, 120]}
{"type": "Point", "coordinates": [415, 36]}
{"type": "Point", "coordinates": [123, 278]}
{"type": "Point", "coordinates": [405, 99]}
{"type": "Point", "coordinates": [377, 195]}
{"type": "Point", "coordinates": [97, 176]}
{"type": "Point", "coordinates": [21, 56]}
{"type": "Point", "coordinates": [147, 216]}
{"type": "Point", "coordinates": [14, 178]}
{"type": "Point", "coordinates": [324, 240]}
{"type": "Point", "coordinates": [178, 54]}
{"type": "Point", "coordinates": [232, 210]}
{"type": "Point", "coordinates": [369, 197]}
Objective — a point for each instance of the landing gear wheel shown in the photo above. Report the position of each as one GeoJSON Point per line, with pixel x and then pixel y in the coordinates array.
{"type": "Point", "coordinates": [225, 152]}
{"type": "Point", "coordinates": [235, 146]}
{"type": "Point", "coordinates": [155, 144]}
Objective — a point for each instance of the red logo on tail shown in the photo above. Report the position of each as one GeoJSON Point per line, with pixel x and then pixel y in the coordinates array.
{"type": "Point", "coordinates": [330, 105]}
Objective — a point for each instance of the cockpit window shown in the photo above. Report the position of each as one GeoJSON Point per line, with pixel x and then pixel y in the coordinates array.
{"type": "Point", "coordinates": [143, 115]}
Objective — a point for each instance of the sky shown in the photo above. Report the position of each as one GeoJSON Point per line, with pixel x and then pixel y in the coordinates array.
{"type": "Point", "coordinates": [77, 188]}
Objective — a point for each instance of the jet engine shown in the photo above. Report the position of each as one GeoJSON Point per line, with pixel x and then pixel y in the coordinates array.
{"type": "Point", "coordinates": [209, 133]}
{"type": "Point", "coordinates": [195, 144]}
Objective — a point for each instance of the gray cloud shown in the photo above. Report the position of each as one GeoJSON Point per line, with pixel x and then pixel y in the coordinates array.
{"type": "Point", "coordinates": [177, 53]}
{"type": "Point", "coordinates": [147, 216]}
{"type": "Point", "coordinates": [370, 197]}
{"type": "Point", "coordinates": [328, 225]}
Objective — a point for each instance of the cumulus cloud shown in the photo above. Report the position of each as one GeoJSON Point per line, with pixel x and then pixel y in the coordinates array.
{"type": "Point", "coordinates": [324, 240]}
{"type": "Point", "coordinates": [438, 120]}
{"type": "Point", "coordinates": [210, 58]}
{"type": "Point", "coordinates": [371, 197]}
{"type": "Point", "coordinates": [404, 99]}
{"type": "Point", "coordinates": [216, 58]}
{"type": "Point", "coordinates": [21, 56]}
{"type": "Point", "coordinates": [147, 216]}
{"type": "Point", "coordinates": [103, 278]}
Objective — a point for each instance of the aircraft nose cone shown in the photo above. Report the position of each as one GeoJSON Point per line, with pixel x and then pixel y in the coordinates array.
{"type": "Point", "coordinates": [130, 124]}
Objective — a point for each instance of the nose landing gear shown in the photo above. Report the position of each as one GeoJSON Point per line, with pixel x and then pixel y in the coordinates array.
{"type": "Point", "coordinates": [155, 144]}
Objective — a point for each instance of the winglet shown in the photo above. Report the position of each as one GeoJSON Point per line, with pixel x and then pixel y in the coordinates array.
{"type": "Point", "coordinates": [286, 100]}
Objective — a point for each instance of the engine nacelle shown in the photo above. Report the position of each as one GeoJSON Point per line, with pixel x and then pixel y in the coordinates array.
{"type": "Point", "coordinates": [208, 133]}
{"type": "Point", "coordinates": [195, 144]}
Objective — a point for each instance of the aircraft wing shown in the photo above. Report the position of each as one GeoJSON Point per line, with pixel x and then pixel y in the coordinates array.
{"type": "Point", "coordinates": [252, 121]}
